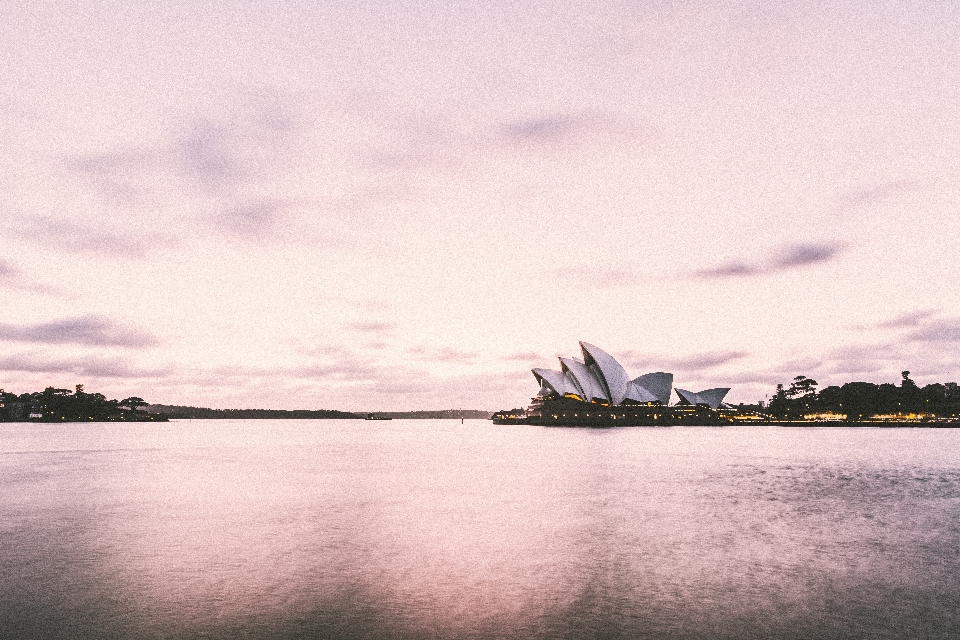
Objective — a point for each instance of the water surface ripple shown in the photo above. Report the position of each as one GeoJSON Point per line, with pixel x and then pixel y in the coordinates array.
{"type": "Point", "coordinates": [433, 529]}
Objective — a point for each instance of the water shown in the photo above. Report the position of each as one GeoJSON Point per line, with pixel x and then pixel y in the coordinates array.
{"type": "Point", "coordinates": [433, 529]}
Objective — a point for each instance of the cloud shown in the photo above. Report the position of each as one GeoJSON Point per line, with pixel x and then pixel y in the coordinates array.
{"type": "Point", "coordinates": [208, 153]}
{"type": "Point", "coordinates": [230, 170]}
{"type": "Point", "coordinates": [416, 139]}
{"type": "Point", "coordinates": [374, 327]}
{"type": "Point", "coordinates": [91, 237]}
{"type": "Point", "coordinates": [802, 255]}
{"type": "Point", "coordinates": [687, 364]}
{"type": "Point", "coordinates": [600, 278]}
{"type": "Point", "coordinates": [87, 330]}
{"type": "Point", "coordinates": [906, 320]}
{"type": "Point", "coordinates": [212, 156]}
{"type": "Point", "coordinates": [767, 378]}
{"type": "Point", "coordinates": [252, 219]}
{"type": "Point", "coordinates": [83, 366]}
{"type": "Point", "coordinates": [785, 258]}
{"type": "Point", "coordinates": [351, 370]}
{"type": "Point", "coordinates": [12, 278]}
{"type": "Point", "coordinates": [546, 128]}
{"type": "Point", "coordinates": [878, 362]}
{"type": "Point", "coordinates": [729, 270]}
{"type": "Point", "coordinates": [525, 356]}
{"type": "Point", "coordinates": [120, 176]}
{"type": "Point", "coordinates": [946, 330]}
{"type": "Point", "coordinates": [924, 327]}
{"type": "Point", "coordinates": [443, 355]}
{"type": "Point", "coordinates": [567, 128]}
{"type": "Point", "coordinates": [869, 195]}
{"type": "Point", "coordinates": [359, 382]}
{"type": "Point", "coordinates": [708, 360]}
{"type": "Point", "coordinates": [8, 271]}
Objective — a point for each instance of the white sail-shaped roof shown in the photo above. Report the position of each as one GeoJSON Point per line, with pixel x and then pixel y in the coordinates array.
{"type": "Point", "coordinates": [555, 380]}
{"type": "Point", "coordinates": [710, 397]}
{"type": "Point", "coordinates": [659, 384]}
{"type": "Point", "coordinates": [590, 388]}
{"type": "Point", "coordinates": [714, 397]}
{"type": "Point", "coordinates": [599, 377]}
{"type": "Point", "coordinates": [638, 393]}
{"type": "Point", "coordinates": [608, 371]}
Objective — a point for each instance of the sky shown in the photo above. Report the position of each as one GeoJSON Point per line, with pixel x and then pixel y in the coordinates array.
{"type": "Point", "coordinates": [408, 205]}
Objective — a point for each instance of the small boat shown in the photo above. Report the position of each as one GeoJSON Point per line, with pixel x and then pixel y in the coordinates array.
{"type": "Point", "coordinates": [370, 416]}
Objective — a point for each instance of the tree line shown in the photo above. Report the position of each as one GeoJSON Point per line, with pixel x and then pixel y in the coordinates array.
{"type": "Point", "coordinates": [62, 405]}
{"type": "Point", "coordinates": [184, 413]}
{"type": "Point", "coordinates": [861, 400]}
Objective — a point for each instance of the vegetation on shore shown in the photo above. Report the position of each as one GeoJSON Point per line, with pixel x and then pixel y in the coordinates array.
{"type": "Point", "coordinates": [179, 412]}
{"type": "Point", "coordinates": [182, 413]}
{"type": "Point", "coordinates": [864, 400]}
{"type": "Point", "coordinates": [60, 405]}
{"type": "Point", "coordinates": [444, 414]}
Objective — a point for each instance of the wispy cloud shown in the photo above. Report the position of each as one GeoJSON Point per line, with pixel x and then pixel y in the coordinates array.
{"type": "Point", "coordinates": [786, 258]}
{"type": "Point", "coordinates": [572, 128]}
{"type": "Point", "coordinates": [906, 320]}
{"type": "Point", "coordinates": [525, 356]}
{"type": "Point", "coordinates": [600, 278]}
{"type": "Point", "coordinates": [210, 156]}
{"type": "Point", "coordinates": [418, 139]}
{"type": "Point", "coordinates": [945, 330]}
{"type": "Point", "coordinates": [415, 139]}
{"type": "Point", "coordinates": [87, 330]}
{"type": "Point", "coordinates": [80, 366]}
{"type": "Point", "coordinates": [11, 277]}
{"type": "Point", "coordinates": [923, 327]}
{"type": "Point", "coordinates": [92, 238]}
{"type": "Point", "coordinates": [688, 364]}
{"type": "Point", "coordinates": [372, 327]}
{"type": "Point", "coordinates": [442, 355]}
{"type": "Point", "coordinates": [543, 129]}
{"type": "Point", "coordinates": [231, 168]}
{"type": "Point", "coordinates": [8, 271]}
{"type": "Point", "coordinates": [803, 255]}
{"type": "Point", "coordinates": [699, 361]}
{"type": "Point", "coordinates": [252, 219]}
{"type": "Point", "coordinates": [866, 196]}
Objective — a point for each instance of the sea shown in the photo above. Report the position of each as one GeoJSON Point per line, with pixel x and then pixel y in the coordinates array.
{"type": "Point", "coordinates": [437, 529]}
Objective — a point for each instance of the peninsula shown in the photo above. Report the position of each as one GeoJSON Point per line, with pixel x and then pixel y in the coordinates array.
{"type": "Point", "coordinates": [60, 405]}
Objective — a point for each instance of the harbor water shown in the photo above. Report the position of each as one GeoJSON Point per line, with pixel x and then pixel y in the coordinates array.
{"type": "Point", "coordinates": [437, 529]}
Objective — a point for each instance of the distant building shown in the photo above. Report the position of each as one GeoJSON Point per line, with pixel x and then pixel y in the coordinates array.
{"type": "Point", "coordinates": [599, 379]}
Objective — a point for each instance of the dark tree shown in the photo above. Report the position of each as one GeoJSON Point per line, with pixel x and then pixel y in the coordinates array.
{"type": "Point", "coordinates": [934, 398]}
{"type": "Point", "coordinates": [133, 402]}
{"type": "Point", "coordinates": [779, 403]}
{"type": "Point", "coordinates": [888, 398]}
{"type": "Point", "coordinates": [911, 400]}
{"type": "Point", "coordinates": [858, 399]}
{"type": "Point", "coordinates": [830, 399]}
{"type": "Point", "coordinates": [803, 393]}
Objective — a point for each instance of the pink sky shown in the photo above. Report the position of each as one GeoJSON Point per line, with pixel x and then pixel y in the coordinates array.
{"type": "Point", "coordinates": [408, 205]}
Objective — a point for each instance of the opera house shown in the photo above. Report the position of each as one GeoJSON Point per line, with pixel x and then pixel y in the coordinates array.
{"type": "Point", "coordinates": [596, 391]}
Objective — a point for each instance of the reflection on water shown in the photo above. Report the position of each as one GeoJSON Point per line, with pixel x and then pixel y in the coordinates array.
{"type": "Point", "coordinates": [410, 529]}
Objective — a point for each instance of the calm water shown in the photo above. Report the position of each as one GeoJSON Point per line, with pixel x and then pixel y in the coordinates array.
{"type": "Point", "coordinates": [288, 529]}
